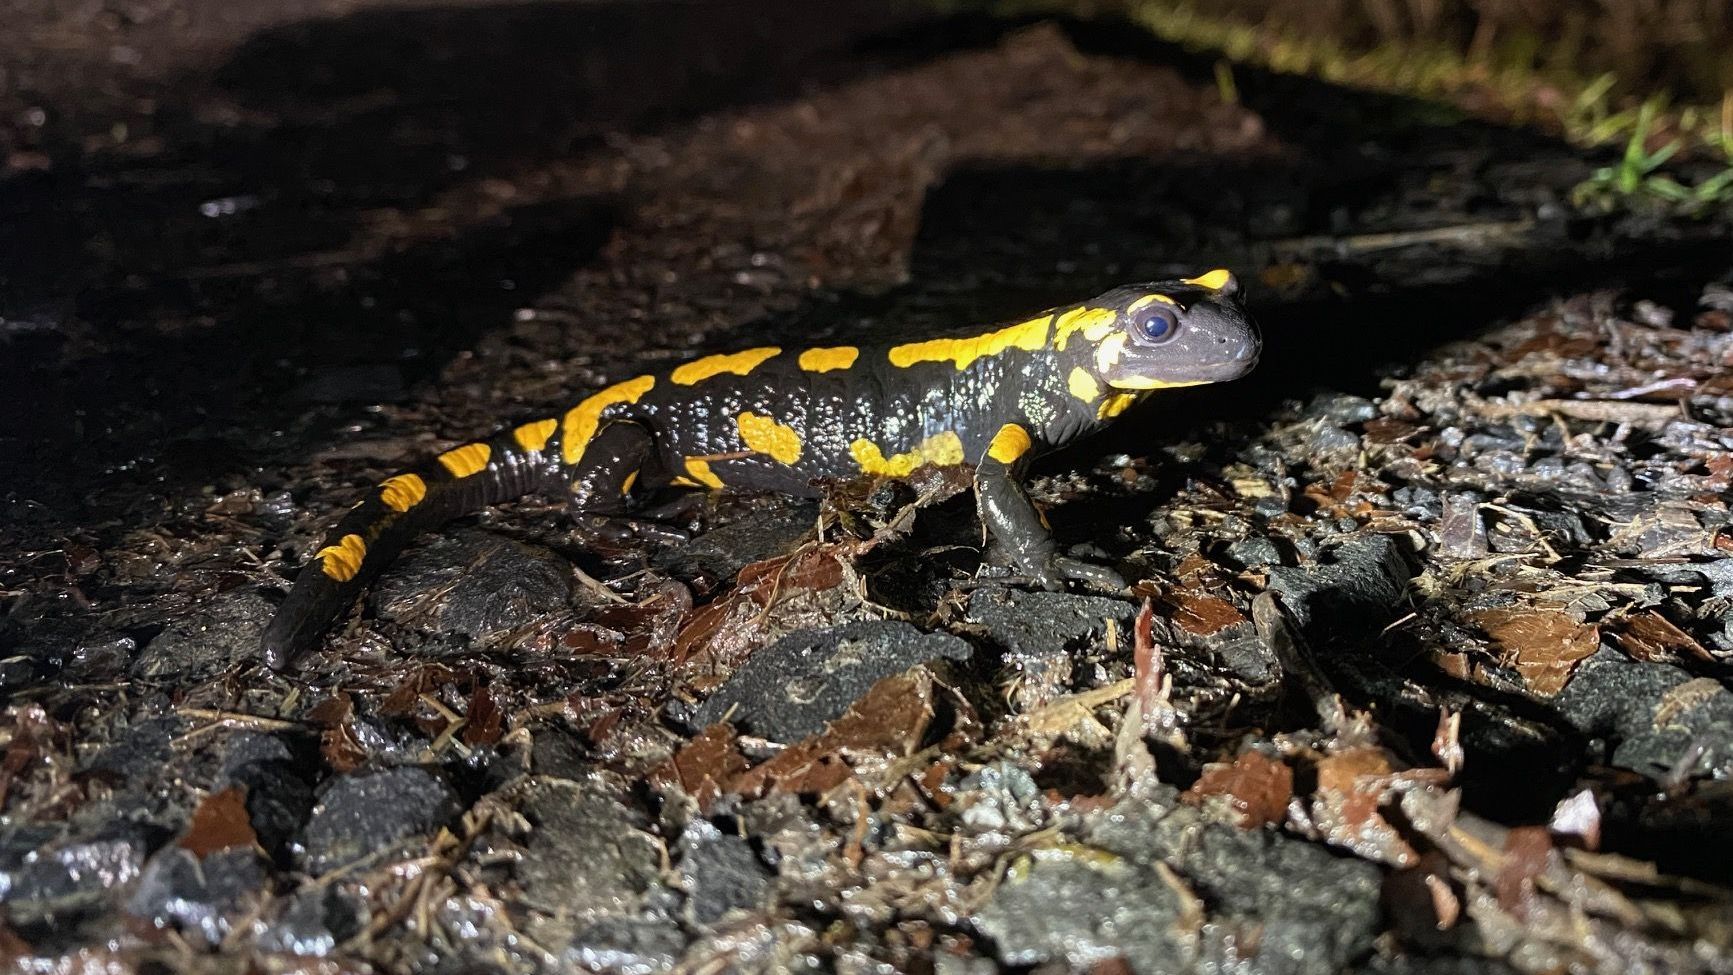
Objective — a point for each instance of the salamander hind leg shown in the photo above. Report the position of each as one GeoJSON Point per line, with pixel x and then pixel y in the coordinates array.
{"type": "Point", "coordinates": [1016, 525]}
{"type": "Point", "coordinates": [603, 483]}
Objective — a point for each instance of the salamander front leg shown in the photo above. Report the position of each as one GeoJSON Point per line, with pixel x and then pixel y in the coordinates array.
{"type": "Point", "coordinates": [604, 481]}
{"type": "Point", "coordinates": [1007, 512]}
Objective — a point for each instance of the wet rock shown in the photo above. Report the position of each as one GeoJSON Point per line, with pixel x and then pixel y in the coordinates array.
{"type": "Point", "coordinates": [587, 853]}
{"type": "Point", "coordinates": [278, 797]}
{"type": "Point", "coordinates": [1356, 584]}
{"type": "Point", "coordinates": [1342, 409]}
{"type": "Point", "coordinates": [1316, 911]}
{"type": "Point", "coordinates": [312, 922]}
{"type": "Point", "coordinates": [1038, 631]}
{"type": "Point", "coordinates": [1253, 553]}
{"type": "Point", "coordinates": [800, 683]}
{"type": "Point", "coordinates": [221, 634]}
{"type": "Point", "coordinates": [1000, 797]}
{"type": "Point", "coordinates": [474, 584]}
{"type": "Point", "coordinates": [1081, 913]}
{"type": "Point", "coordinates": [722, 552]}
{"type": "Point", "coordinates": [1655, 715]}
{"type": "Point", "coordinates": [201, 898]}
{"type": "Point", "coordinates": [720, 871]}
{"type": "Point", "coordinates": [75, 876]}
{"type": "Point", "coordinates": [364, 813]}
{"type": "Point", "coordinates": [630, 946]}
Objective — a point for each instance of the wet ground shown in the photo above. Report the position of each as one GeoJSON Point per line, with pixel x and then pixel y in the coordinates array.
{"type": "Point", "coordinates": [1425, 670]}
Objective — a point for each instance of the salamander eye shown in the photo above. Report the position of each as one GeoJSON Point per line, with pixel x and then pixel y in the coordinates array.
{"type": "Point", "coordinates": [1154, 325]}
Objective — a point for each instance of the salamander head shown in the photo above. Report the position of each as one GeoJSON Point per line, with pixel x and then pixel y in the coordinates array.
{"type": "Point", "coordinates": [1177, 333]}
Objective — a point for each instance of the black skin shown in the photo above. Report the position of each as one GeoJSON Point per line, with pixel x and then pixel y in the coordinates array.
{"type": "Point", "coordinates": [955, 399]}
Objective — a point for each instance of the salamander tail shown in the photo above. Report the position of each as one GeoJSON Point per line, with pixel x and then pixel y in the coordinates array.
{"type": "Point", "coordinates": [457, 482]}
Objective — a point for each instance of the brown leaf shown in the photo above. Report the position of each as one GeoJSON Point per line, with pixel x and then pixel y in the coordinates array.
{"type": "Point", "coordinates": [220, 823]}
{"type": "Point", "coordinates": [1257, 786]}
{"type": "Point", "coordinates": [1384, 430]}
{"type": "Point", "coordinates": [1352, 786]}
{"type": "Point", "coordinates": [1527, 852]}
{"type": "Point", "coordinates": [705, 767]}
{"type": "Point", "coordinates": [890, 720]}
{"type": "Point", "coordinates": [1422, 900]}
{"type": "Point", "coordinates": [341, 749]}
{"type": "Point", "coordinates": [485, 724]}
{"type": "Point", "coordinates": [1543, 645]}
{"type": "Point", "coordinates": [1649, 636]}
{"type": "Point", "coordinates": [332, 711]}
{"type": "Point", "coordinates": [1200, 613]}
{"type": "Point", "coordinates": [1147, 660]}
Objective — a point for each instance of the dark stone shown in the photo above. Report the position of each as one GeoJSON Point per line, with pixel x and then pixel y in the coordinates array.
{"type": "Point", "coordinates": [278, 797]}
{"type": "Point", "coordinates": [1355, 585]}
{"type": "Point", "coordinates": [1252, 553]}
{"type": "Point", "coordinates": [1035, 624]}
{"type": "Point", "coordinates": [1342, 408]}
{"type": "Point", "coordinates": [720, 872]}
{"type": "Point", "coordinates": [474, 584]}
{"type": "Point", "coordinates": [202, 898]}
{"type": "Point", "coordinates": [1614, 697]}
{"type": "Point", "coordinates": [722, 552]}
{"type": "Point", "coordinates": [587, 853]}
{"type": "Point", "coordinates": [795, 686]}
{"type": "Point", "coordinates": [312, 923]}
{"type": "Point", "coordinates": [628, 946]}
{"type": "Point", "coordinates": [223, 633]}
{"type": "Point", "coordinates": [75, 876]}
{"type": "Point", "coordinates": [367, 812]}
{"type": "Point", "coordinates": [1082, 912]}
{"type": "Point", "coordinates": [1317, 911]}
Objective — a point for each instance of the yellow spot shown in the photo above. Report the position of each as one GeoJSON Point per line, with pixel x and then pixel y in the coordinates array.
{"type": "Point", "coordinates": [343, 559]}
{"type": "Point", "coordinates": [1150, 300]}
{"type": "Point", "coordinates": [1010, 443]}
{"type": "Point", "coordinates": [738, 363]}
{"type": "Point", "coordinates": [681, 480]}
{"type": "Point", "coordinates": [466, 460]}
{"type": "Point", "coordinates": [1116, 404]}
{"type": "Point", "coordinates": [825, 360]}
{"type": "Point", "coordinates": [1030, 335]}
{"type": "Point", "coordinates": [699, 471]}
{"type": "Point", "coordinates": [582, 420]}
{"type": "Point", "coordinates": [402, 492]}
{"type": "Point", "coordinates": [626, 485]}
{"type": "Point", "coordinates": [533, 437]}
{"type": "Point", "coordinates": [1083, 385]}
{"type": "Point", "coordinates": [1107, 354]}
{"type": "Point", "coordinates": [1214, 280]}
{"type": "Point", "coordinates": [763, 435]}
{"type": "Point", "coordinates": [1142, 382]}
{"type": "Point", "coordinates": [1094, 323]}
{"type": "Point", "coordinates": [939, 450]}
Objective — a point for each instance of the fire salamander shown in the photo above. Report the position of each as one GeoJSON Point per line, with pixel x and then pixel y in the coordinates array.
{"type": "Point", "coordinates": [781, 419]}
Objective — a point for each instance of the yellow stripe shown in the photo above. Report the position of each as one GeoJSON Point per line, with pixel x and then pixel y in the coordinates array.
{"type": "Point", "coordinates": [582, 420]}
{"type": "Point", "coordinates": [699, 470]}
{"type": "Point", "coordinates": [1031, 335]}
{"type": "Point", "coordinates": [402, 492]}
{"type": "Point", "coordinates": [343, 560]}
{"type": "Point", "coordinates": [1150, 300]}
{"type": "Point", "coordinates": [1083, 385]}
{"type": "Point", "coordinates": [1010, 443]}
{"type": "Point", "coordinates": [626, 485]}
{"type": "Point", "coordinates": [763, 435]}
{"type": "Point", "coordinates": [466, 460]}
{"type": "Point", "coordinates": [1214, 280]}
{"type": "Point", "coordinates": [825, 360]}
{"type": "Point", "coordinates": [941, 450]}
{"type": "Point", "coordinates": [1094, 323]}
{"type": "Point", "coordinates": [533, 437]}
{"type": "Point", "coordinates": [738, 363]}
{"type": "Point", "coordinates": [1116, 404]}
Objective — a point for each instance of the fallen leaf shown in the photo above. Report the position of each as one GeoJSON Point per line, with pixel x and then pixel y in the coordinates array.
{"type": "Point", "coordinates": [1352, 787]}
{"type": "Point", "coordinates": [220, 823]}
{"type": "Point", "coordinates": [1258, 788]}
{"type": "Point", "coordinates": [1200, 613]}
{"type": "Point", "coordinates": [705, 767]}
{"type": "Point", "coordinates": [1528, 851]}
{"type": "Point", "coordinates": [1543, 645]}
{"type": "Point", "coordinates": [485, 724]}
{"type": "Point", "coordinates": [1649, 636]}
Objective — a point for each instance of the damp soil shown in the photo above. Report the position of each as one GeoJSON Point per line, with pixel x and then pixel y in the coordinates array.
{"type": "Point", "coordinates": [1425, 666]}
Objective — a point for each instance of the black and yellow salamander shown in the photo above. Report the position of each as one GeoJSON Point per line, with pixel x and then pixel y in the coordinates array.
{"type": "Point", "coordinates": [781, 419]}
